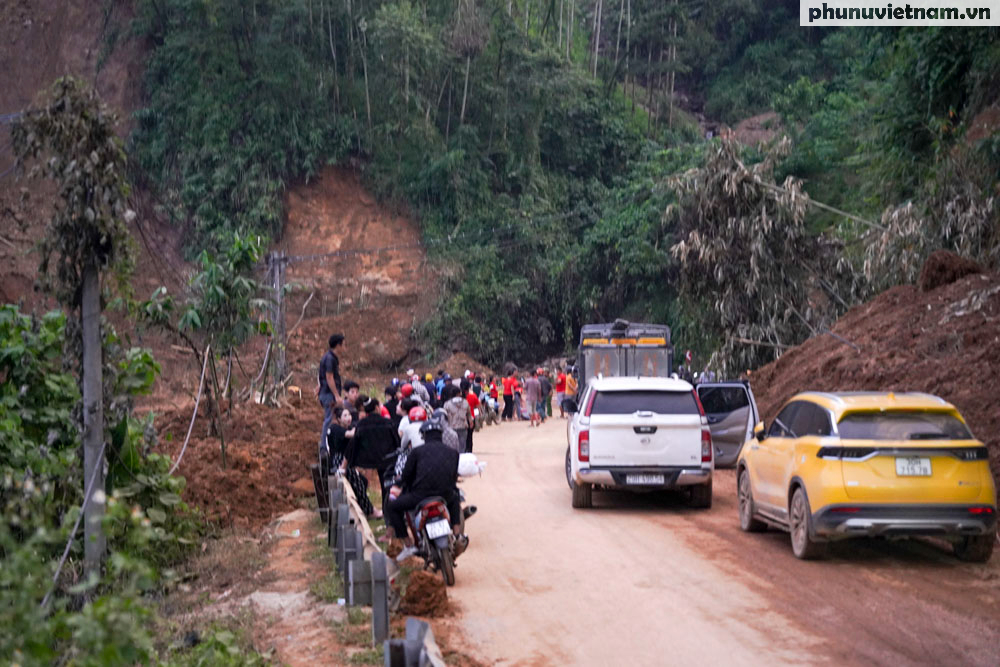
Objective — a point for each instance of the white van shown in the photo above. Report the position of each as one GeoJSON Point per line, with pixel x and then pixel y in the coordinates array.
{"type": "Point", "coordinates": [641, 434]}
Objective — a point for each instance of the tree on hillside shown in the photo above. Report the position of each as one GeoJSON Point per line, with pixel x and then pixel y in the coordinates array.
{"type": "Point", "coordinates": [468, 38]}
{"type": "Point", "coordinates": [764, 282]}
{"type": "Point", "coordinates": [72, 141]}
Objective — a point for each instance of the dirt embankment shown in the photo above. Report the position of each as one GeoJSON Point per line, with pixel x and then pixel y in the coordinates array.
{"type": "Point", "coordinates": [943, 339]}
{"type": "Point", "coordinates": [339, 241]}
{"type": "Point", "coordinates": [41, 40]}
{"type": "Point", "coordinates": [268, 452]}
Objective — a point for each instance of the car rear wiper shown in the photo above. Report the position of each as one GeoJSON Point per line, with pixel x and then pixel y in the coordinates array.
{"type": "Point", "coordinates": [929, 435]}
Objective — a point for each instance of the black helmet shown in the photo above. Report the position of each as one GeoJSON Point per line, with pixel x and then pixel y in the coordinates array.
{"type": "Point", "coordinates": [432, 424]}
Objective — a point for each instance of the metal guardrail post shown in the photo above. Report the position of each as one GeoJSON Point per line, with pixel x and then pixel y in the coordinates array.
{"type": "Point", "coordinates": [343, 527]}
{"type": "Point", "coordinates": [359, 582]}
{"type": "Point", "coordinates": [322, 497]}
{"type": "Point", "coordinates": [380, 598]}
{"type": "Point", "coordinates": [418, 649]}
{"type": "Point", "coordinates": [366, 578]}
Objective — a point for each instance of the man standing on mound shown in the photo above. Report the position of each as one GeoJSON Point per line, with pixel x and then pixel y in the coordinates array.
{"type": "Point", "coordinates": [329, 387]}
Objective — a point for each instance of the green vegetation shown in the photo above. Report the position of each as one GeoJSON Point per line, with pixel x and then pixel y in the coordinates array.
{"type": "Point", "coordinates": [537, 157]}
{"type": "Point", "coordinates": [220, 646]}
{"type": "Point", "coordinates": [98, 620]}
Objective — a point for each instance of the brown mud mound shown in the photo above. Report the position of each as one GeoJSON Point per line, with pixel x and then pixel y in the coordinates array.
{"type": "Point", "coordinates": [943, 268]}
{"type": "Point", "coordinates": [945, 342]}
{"type": "Point", "coordinates": [425, 595]}
{"type": "Point", "coordinates": [458, 363]}
{"type": "Point", "coordinates": [268, 450]}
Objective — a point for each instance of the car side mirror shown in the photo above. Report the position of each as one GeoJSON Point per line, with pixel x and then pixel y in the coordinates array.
{"type": "Point", "coordinates": [758, 431]}
{"type": "Point", "coordinates": [569, 405]}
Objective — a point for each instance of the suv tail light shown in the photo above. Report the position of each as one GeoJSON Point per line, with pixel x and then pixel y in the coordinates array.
{"type": "Point", "coordinates": [583, 447]}
{"type": "Point", "coordinates": [706, 445]}
{"type": "Point", "coordinates": [701, 408]}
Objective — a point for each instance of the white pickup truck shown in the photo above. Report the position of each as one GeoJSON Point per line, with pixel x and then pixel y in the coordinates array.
{"type": "Point", "coordinates": [640, 434]}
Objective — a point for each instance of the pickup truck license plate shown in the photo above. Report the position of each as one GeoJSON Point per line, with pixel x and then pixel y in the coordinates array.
{"type": "Point", "coordinates": [913, 466]}
{"type": "Point", "coordinates": [437, 529]}
{"type": "Point", "coordinates": [644, 479]}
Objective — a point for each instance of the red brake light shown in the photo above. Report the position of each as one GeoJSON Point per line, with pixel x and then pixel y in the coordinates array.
{"type": "Point", "coordinates": [706, 445]}
{"type": "Point", "coordinates": [434, 510]}
{"type": "Point", "coordinates": [701, 408]}
{"type": "Point", "coordinates": [697, 399]}
{"type": "Point", "coordinates": [846, 510]}
{"type": "Point", "coordinates": [583, 447]}
{"type": "Point", "coordinates": [980, 510]}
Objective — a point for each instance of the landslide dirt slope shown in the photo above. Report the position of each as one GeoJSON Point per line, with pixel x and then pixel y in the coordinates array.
{"type": "Point", "coordinates": [41, 40]}
{"type": "Point", "coordinates": [373, 298]}
{"type": "Point", "coordinates": [944, 341]}
{"type": "Point", "coordinates": [376, 297]}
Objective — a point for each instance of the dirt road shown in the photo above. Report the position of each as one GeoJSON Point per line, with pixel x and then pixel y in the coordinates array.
{"type": "Point", "coordinates": [643, 580]}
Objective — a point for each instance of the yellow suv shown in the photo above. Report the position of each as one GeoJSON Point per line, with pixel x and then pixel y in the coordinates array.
{"type": "Point", "coordinates": [833, 466]}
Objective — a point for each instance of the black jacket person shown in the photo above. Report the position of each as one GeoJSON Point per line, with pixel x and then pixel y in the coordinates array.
{"type": "Point", "coordinates": [374, 439]}
{"type": "Point", "coordinates": [431, 470]}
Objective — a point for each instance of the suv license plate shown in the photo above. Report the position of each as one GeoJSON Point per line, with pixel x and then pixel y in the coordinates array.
{"type": "Point", "coordinates": [913, 466]}
{"type": "Point", "coordinates": [644, 479]}
{"type": "Point", "coordinates": [437, 529]}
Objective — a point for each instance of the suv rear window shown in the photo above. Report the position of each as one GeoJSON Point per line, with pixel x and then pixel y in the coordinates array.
{"type": "Point", "coordinates": [902, 425]}
{"type": "Point", "coordinates": [660, 402]}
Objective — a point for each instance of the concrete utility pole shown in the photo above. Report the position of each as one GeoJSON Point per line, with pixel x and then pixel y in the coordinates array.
{"type": "Point", "coordinates": [93, 420]}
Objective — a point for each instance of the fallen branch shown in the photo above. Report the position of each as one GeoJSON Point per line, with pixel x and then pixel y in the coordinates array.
{"type": "Point", "coordinates": [304, 306]}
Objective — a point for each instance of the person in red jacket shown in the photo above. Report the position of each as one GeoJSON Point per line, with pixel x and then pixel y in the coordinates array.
{"type": "Point", "coordinates": [561, 391]}
{"type": "Point", "coordinates": [473, 400]}
{"type": "Point", "coordinates": [508, 397]}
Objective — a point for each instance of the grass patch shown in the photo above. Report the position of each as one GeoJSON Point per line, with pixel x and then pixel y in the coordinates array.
{"type": "Point", "coordinates": [328, 587]}
{"type": "Point", "coordinates": [356, 616]}
{"type": "Point", "coordinates": [371, 656]}
{"type": "Point", "coordinates": [225, 641]}
{"type": "Point", "coordinates": [354, 635]}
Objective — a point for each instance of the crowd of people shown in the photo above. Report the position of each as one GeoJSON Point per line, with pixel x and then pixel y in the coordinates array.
{"type": "Point", "coordinates": [361, 432]}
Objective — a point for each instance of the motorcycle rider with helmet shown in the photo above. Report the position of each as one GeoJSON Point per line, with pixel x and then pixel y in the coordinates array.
{"type": "Point", "coordinates": [430, 470]}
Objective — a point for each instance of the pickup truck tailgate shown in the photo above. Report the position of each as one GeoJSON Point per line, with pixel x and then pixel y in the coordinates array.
{"type": "Point", "coordinates": [645, 429]}
{"type": "Point", "coordinates": [653, 440]}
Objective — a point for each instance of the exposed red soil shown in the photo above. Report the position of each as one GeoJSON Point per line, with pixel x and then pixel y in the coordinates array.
{"type": "Point", "coordinates": [41, 40]}
{"type": "Point", "coordinates": [377, 298]}
{"type": "Point", "coordinates": [945, 341]}
{"type": "Point", "coordinates": [269, 451]}
{"type": "Point", "coordinates": [943, 268]}
{"type": "Point", "coordinates": [290, 620]}
{"type": "Point", "coordinates": [425, 595]}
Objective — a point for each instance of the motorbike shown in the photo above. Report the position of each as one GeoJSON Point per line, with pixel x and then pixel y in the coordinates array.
{"type": "Point", "coordinates": [430, 524]}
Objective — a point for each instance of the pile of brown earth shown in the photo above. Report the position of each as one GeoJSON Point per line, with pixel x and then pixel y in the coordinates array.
{"type": "Point", "coordinates": [425, 595]}
{"type": "Point", "coordinates": [268, 451]}
{"type": "Point", "coordinates": [940, 337]}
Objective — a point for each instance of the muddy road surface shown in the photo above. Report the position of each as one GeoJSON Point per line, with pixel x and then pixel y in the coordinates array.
{"type": "Point", "coordinates": [644, 580]}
